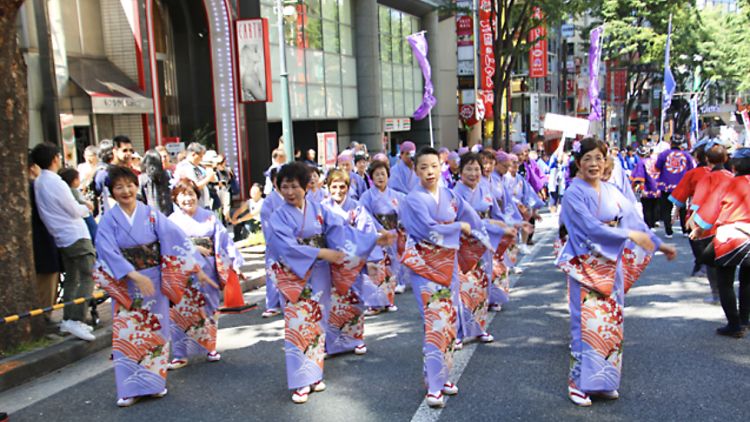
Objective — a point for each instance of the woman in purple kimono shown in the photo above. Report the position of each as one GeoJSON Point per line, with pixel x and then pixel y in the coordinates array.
{"type": "Point", "coordinates": [382, 203]}
{"type": "Point", "coordinates": [144, 262]}
{"type": "Point", "coordinates": [434, 218]}
{"type": "Point", "coordinates": [274, 299]}
{"type": "Point", "coordinates": [307, 240]}
{"type": "Point", "coordinates": [607, 249]}
{"type": "Point", "coordinates": [524, 197]}
{"type": "Point", "coordinates": [194, 318]}
{"type": "Point", "coordinates": [315, 191]}
{"type": "Point", "coordinates": [344, 310]}
{"type": "Point", "coordinates": [476, 191]}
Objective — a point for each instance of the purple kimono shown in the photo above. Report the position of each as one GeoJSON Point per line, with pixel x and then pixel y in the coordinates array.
{"type": "Point", "coordinates": [403, 179]}
{"type": "Point", "coordinates": [433, 238]}
{"type": "Point", "coordinates": [383, 206]}
{"type": "Point", "coordinates": [193, 319]}
{"type": "Point", "coordinates": [274, 299]}
{"type": "Point", "coordinates": [601, 265]}
{"type": "Point", "coordinates": [672, 165]}
{"type": "Point", "coordinates": [159, 250]}
{"type": "Point", "coordinates": [534, 175]}
{"type": "Point", "coordinates": [621, 181]}
{"type": "Point", "coordinates": [357, 185]}
{"type": "Point", "coordinates": [317, 196]}
{"type": "Point", "coordinates": [476, 286]}
{"type": "Point", "coordinates": [504, 198]}
{"type": "Point", "coordinates": [344, 310]}
{"type": "Point", "coordinates": [306, 281]}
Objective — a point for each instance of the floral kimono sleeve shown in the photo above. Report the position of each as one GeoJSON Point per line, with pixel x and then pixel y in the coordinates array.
{"type": "Point", "coordinates": [591, 253]}
{"type": "Point", "coordinates": [473, 247]}
{"type": "Point", "coordinates": [420, 224]}
{"type": "Point", "coordinates": [111, 267]}
{"type": "Point", "coordinates": [178, 253]}
{"type": "Point", "coordinates": [356, 241]}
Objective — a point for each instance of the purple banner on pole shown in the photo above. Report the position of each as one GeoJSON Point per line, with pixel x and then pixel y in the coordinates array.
{"type": "Point", "coordinates": [595, 57]}
{"type": "Point", "coordinates": [418, 44]}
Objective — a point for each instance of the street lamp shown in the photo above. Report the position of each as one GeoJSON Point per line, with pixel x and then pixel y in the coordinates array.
{"type": "Point", "coordinates": [286, 109]}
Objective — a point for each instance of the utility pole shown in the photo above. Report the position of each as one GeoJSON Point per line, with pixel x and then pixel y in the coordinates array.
{"type": "Point", "coordinates": [287, 131]}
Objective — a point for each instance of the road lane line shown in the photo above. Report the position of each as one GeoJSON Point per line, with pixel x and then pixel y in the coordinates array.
{"type": "Point", "coordinates": [461, 359]}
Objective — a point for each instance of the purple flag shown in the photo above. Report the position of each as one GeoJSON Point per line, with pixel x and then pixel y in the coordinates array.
{"type": "Point", "coordinates": [595, 57]}
{"type": "Point", "coordinates": [418, 44]}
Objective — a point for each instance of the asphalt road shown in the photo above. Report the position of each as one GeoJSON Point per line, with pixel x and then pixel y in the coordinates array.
{"type": "Point", "coordinates": [675, 367]}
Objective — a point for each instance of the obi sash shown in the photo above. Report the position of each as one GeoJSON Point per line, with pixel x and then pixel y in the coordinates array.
{"type": "Point", "coordinates": [388, 221]}
{"type": "Point", "coordinates": [471, 251]}
{"type": "Point", "coordinates": [143, 256]}
{"type": "Point", "coordinates": [433, 262]}
{"type": "Point", "coordinates": [205, 242]}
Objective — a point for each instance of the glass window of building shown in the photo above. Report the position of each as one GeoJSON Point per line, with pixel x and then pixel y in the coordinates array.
{"type": "Point", "coordinates": [401, 78]}
{"type": "Point", "coordinates": [319, 44]}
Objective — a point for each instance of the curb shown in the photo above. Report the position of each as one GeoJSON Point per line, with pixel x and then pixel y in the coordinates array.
{"type": "Point", "coordinates": [24, 367]}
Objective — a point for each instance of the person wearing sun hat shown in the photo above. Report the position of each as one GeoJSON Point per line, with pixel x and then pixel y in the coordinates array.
{"type": "Point", "coordinates": [403, 179]}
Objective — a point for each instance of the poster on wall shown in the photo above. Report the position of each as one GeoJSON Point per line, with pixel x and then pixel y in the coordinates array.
{"type": "Point", "coordinates": [327, 149]}
{"type": "Point", "coordinates": [254, 63]}
{"type": "Point", "coordinates": [70, 156]}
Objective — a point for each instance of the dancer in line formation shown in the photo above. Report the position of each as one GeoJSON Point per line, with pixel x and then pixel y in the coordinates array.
{"type": "Point", "coordinates": [448, 226]}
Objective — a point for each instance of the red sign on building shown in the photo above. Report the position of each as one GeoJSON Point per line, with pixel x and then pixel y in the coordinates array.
{"type": "Point", "coordinates": [538, 52]}
{"type": "Point", "coordinates": [487, 22]}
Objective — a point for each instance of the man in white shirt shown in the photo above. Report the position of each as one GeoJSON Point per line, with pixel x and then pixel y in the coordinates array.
{"type": "Point", "coordinates": [63, 217]}
{"type": "Point", "coordinates": [278, 158]}
{"type": "Point", "coordinates": [190, 168]}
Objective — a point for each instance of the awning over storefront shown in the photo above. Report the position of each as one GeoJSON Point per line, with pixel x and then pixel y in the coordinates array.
{"type": "Point", "coordinates": [111, 91]}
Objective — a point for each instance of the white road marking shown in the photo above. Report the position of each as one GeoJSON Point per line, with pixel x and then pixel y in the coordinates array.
{"type": "Point", "coordinates": [461, 359]}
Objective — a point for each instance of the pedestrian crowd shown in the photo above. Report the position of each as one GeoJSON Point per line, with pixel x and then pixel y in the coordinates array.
{"type": "Point", "coordinates": [342, 242]}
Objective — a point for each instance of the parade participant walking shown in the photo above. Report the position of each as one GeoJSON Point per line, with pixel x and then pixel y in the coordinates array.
{"type": "Point", "coordinates": [601, 265]}
{"type": "Point", "coordinates": [402, 177]}
{"type": "Point", "coordinates": [272, 202]}
{"type": "Point", "coordinates": [524, 197]}
{"type": "Point", "coordinates": [475, 283]}
{"type": "Point", "coordinates": [434, 218]}
{"type": "Point", "coordinates": [357, 184]}
{"type": "Point", "coordinates": [383, 203]}
{"type": "Point", "coordinates": [315, 191]}
{"type": "Point", "coordinates": [645, 178]}
{"type": "Point", "coordinates": [672, 165]}
{"type": "Point", "coordinates": [144, 262]}
{"type": "Point", "coordinates": [727, 208]}
{"type": "Point", "coordinates": [63, 216]}
{"type": "Point", "coordinates": [451, 174]}
{"type": "Point", "coordinates": [344, 309]}
{"type": "Point", "coordinates": [680, 197]}
{"type": "Point", "coordinates": [194, 319]}
{"type": "Point", "coordinates": [305, 240]}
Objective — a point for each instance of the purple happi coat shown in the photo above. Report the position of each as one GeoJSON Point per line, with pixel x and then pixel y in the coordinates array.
{"type": "Point", "coordinates": [306, 281]}
{"type": "Point", "coordinates": [156, 248]}
{"type": "Point", "coordinates": [672, 165]}
{"type": "Point", "coordinates": [194, 318]}
{"type": "Point", "coordinates": [646, 173]}
{"type": "Point", "coordinates": [274, 299]}
{"type": "Point", "coordinates": [601, 265]}
{"type": "Point", "coordinates": [433, 239]}
{"type": "Point", "coordinates": [476, 283]}
{"type": "Point", "coordinates": [386, 274]}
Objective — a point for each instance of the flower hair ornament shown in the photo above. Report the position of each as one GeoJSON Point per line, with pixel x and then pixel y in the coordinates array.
{"type": "Point", "coordinates": [576, 147]}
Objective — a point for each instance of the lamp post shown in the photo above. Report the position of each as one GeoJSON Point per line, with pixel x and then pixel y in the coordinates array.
{"type": "Point", "coordinates": [286, 109]}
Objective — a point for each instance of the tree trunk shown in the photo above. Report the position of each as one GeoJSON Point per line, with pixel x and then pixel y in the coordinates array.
{"type": "Point", "coordinates": [16, 257]}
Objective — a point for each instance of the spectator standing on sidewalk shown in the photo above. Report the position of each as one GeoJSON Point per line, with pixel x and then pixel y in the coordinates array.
{"type": "Point", "coordinates": [154, 183]}
{"type": "Point", "coordinates": [87, 169]}
{"type": "Point", "coordinates": [190, 168]}
{"type": "Point", "coordinates": [278, 158]}
{"type": "Point", "coordinates": [46, 256]}
{"type": "Point", "coordinates": [63, 217]}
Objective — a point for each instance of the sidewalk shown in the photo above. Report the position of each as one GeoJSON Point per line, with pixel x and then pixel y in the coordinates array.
{"type": "Point", "coordinates": [64, 350]}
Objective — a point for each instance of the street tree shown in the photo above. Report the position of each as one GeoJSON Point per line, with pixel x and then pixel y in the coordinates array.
{"type": "Point", "coordinates": [513, 41]}
{"type": "Point", "coordinates": [16, 258]}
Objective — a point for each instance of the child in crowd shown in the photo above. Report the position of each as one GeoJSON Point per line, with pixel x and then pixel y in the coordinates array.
{"type": "Point", "coordinates": [73, 179]}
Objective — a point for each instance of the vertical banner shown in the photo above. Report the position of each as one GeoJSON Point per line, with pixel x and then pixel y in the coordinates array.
{"type": "Point", "coordinates": [595, 57]}
{"type": "Point", "coordinates": [418, 44]}
{"type": "Point", "coordinates": [253, 60]}
{"type": "Point", "coordinates": [327, 149]}
{"type": "Point", "coordinates": [538, 52]}
{"type": "Point", "coordinates": [487, 23]}
{"type": "Point", "coordinates": [694, 120]}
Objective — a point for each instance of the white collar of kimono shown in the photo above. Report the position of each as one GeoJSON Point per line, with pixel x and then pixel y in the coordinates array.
{"type": "Point", "coordinates": [435, 195]}
{"type": "Point", "coordinates": [130, 218]}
